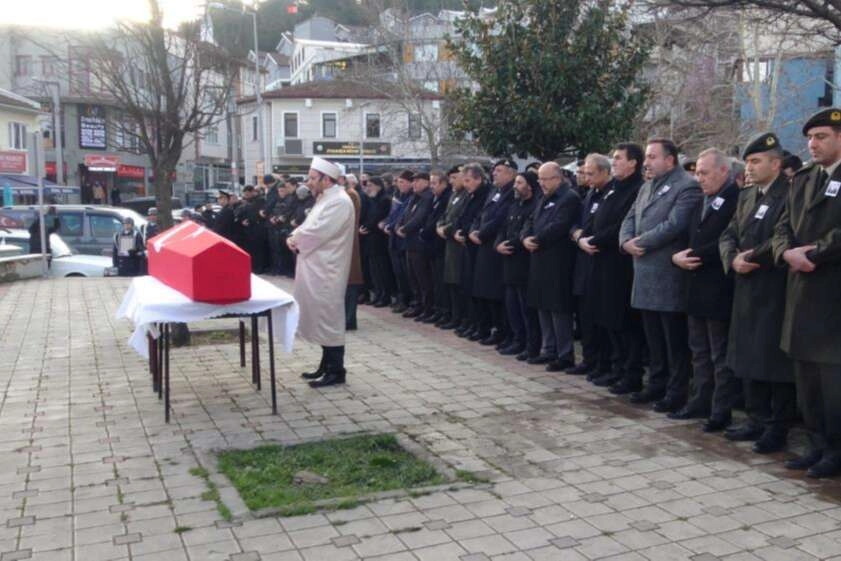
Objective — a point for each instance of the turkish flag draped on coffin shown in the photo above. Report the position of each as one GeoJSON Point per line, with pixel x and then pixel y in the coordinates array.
{"type": "Point", "coordinates": [200, 264]}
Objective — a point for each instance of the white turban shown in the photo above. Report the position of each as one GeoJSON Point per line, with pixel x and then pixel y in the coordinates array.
{"type": "Point", "coordinates": [327, 168]}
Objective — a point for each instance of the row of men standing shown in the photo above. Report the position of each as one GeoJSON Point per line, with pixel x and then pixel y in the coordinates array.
{"type": "Point", "coordinates": [730, 292]}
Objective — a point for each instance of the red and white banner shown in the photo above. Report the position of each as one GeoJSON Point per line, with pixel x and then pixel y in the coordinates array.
{"type": "Point", "coordinates": [132, 172]}
{"type": "Point", "coordinates": [102, 162]}
{"type": "Point", "coordinates": [12, 162]}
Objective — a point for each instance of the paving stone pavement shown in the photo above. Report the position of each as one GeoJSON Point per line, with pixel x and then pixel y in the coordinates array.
{"type": "Point", "coordinates": [90, 472]}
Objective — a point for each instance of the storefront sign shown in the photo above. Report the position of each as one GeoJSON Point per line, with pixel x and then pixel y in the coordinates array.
{"type": "Point", "coordinates": [351, 149]}
{"type": "Point", "coordinates": [12, 162]}
{"type": "Point", "coordinates": [49, 168]}
{"type": "Point", "coordinates": [133, 172]}
{"type": "Point", "coordinates": [101, 162]}
{"type": "Point", "coordinates": [92, 127]}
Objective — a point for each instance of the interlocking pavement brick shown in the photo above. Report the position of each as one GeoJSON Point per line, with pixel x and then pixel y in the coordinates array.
{"type": "Point", "coordinates": [127, 539]}
{"type": "Point", "coordinates": [564, 542]}
{"type": "Point", "coordinates": [16, 555]}
{"type": "Point", "coordinates": [245, 556]}
{"type": "Point", "coordinates": [20, 521]}
{"type": "Point", "coordinates": [345, 541]}
{"type": "Point", "coordinates": [783, 542]}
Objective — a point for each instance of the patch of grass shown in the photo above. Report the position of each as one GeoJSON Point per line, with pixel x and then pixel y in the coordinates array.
{"type": "Point", "coordinates": [354, 466]}
{"type": "Point", "coordinates": [470, 477]}
{"type": "Point", "coordinates": [182, 529]}
{"type": "Point", "coordinates": [212, 493]}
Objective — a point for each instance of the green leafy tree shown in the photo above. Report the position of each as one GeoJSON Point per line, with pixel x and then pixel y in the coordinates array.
{"type": "Point", "coordinates": [551, 78]}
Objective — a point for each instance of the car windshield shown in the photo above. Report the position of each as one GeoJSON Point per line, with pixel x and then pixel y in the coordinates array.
{"type": "Point", "coordinates": [59, 247]}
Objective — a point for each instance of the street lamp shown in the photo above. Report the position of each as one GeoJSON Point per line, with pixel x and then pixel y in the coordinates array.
{"type": "Point", "coordinates": [253, 14]}
{"type": "Point", "coordinates": [59, 150]}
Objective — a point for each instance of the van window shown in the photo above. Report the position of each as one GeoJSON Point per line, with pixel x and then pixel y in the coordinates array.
{"type": "Point", "coordinates": [104, 225]}
{"type": "Point", "coordinates": [70, 224]}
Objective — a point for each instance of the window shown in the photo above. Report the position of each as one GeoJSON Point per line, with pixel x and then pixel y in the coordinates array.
{"type": "Point", "coordinates": [104, 225]}
{"type": "Point", "coordinates": [23, 65]}
{"type": "Point", "coordinates": [328, 125]}
{"type": "Point", "coordinates": [431, 85]}
{"type": "Point", "coordinates": [70, 224]}
{"type": "Point", "coordinates": [756, 70]}
{"type": "Point", "coordinates": [211, 135]}
{"type": "Point", "coordinates": [372, 125]}
{"type": "Point", "coordinates": [414, 126]}
{"type": "Point", "coordinates": [255, 129]}
{"type": "Point", "coordinates": [49, 65]}
{"type": "Point", "coordinates": [17, 136]}
{"type": "Point", "coordinates": [427, 52]}
{"type": "Point", "coordinates": [290, 125]}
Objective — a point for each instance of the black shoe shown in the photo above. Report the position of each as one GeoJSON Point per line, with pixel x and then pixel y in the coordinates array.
{"type": "Point", "coordinates": [412, 313]}
{"type": "Point", "coordinates": [743, 433]}
{"type": "Point", "coordinates": [667, 405]}
{"type": "Point", "coordinates": [715, 424]}
{"type": "Point", "coordinates": [494, 338]}
{"type": "Point", "coordinates": [318, 373]}
{"type": "Point", "coordinates": [400, 308]}
{"type": "Point", "coordinates": [523, 356]}
{"type": "Point", "coordinates": [647, 396]}
{"type": "Point", "coordinates": [805, 461]}
{"type": "Point", "coordinates": [540, 359]}
{"type": "Point", "coordinates": [505, 343]}
{"type": "Point", "coordinates": [512, 349]}
{"type": "Point", "coordinates": [330, 378]}
{"type": "Point", "coordinates": [829, 466]}
{"type": "Point", "coordinates": [559, 365]}
{"type": "Point", "coordinates": [606, 379]}
{"type": "Point", "coordinates": [443, 320]}
{"type": "Point", "coordinates": [771, 441]}
{"type": "Point", "coordinates": [465, 331]}
{"type": "Point", "coordinates": [582, 368]}
{"type": "Point", "coordinates": [478, 336]}
{"type": "Point", "coordinates": [381, 304]}
{"type": "Point", "coordinates": [687, 413]}
{"type": "Point", "coordinates": [450, 325]}
{"type": "Point", "coordinates": [624, 387]}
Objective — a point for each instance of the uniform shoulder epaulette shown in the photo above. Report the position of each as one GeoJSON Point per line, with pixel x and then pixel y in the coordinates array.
{"type": "Point", "coordinates": [805, 169]}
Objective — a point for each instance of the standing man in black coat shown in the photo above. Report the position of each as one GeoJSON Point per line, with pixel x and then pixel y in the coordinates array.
{"type": "Point", "coordinates": [613, 269]}
{"type": "Point", "coordinates": [252, 221]}
{"type": "Point", "coordinates": [441, 191]}
{"type": "Point", "coordinates": [714, 389]}
{"type": "Point", "coordinates": [546, 237]}
{"type": "Point", "coordinates": [223, 222]}
{"type": "Point", "coordinates": [524, 322]}
{"type": "Point", "coordinates": [379, 262]}
{"type": "Point", "coordinates": [453, 250]}
{"type": "Point", "coordinates": [595, 342]}
{"type": "Point", "coordinates": [477, 187]}
{"type": "Point", "coordinates": [488, 288]}
{"type": "Point", "coordinates": [417, 251]}
{"type": "Point", "coordinates": [754, 351]}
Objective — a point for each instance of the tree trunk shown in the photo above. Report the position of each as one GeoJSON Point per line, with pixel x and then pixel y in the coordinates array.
{"type": "Point", "coordinates": [163, 196]}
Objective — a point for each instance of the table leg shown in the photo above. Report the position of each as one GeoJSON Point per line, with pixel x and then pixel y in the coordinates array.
{"type": "Point", "coordinates": [271, 363]}
{"type": "Point", "coordinates": [166, 372]}
{"type": "Point", "coordinates": [153, 359]}
{"type": "Point", "coordinates": [255, 351]}
{"type": "Point", "coordinates": [160, 367]}
{"type": "Point", "coordinates": [241, 344]}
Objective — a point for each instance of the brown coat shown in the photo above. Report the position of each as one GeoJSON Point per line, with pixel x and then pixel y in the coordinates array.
{"type": "Point", "coordinates": [355, 277]}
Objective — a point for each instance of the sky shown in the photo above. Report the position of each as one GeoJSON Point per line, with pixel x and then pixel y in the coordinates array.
{"type": "Point", "coordinates": [92, 14]}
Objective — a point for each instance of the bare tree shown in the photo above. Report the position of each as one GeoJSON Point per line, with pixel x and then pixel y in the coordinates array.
{"type": "Point", "coordinates": [169, 87]}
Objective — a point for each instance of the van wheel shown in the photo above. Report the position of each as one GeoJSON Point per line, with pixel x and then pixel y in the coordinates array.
{"type": "Point", "coordinates": [74, 275]}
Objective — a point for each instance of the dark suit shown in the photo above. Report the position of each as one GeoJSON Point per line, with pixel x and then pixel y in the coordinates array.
{"type": "Point", "coordinates": [709, 301]}
{"type": "Point", "coordinates": [473, 206]}
{"type": "Point", "coordinates": [436, 246]}
{"type": "Point", "coordinates": [612, 278]}
{"type": "Point", "coordinates": [550, 269]}
{"type": "Point", "coordinates": [812, 320]}
{"type": "Point", "coordinates": [453, 254]}
{"type": "Point", "coordinates": [754, 351]}
{"type": "Point", "coordinates": [377, 241]}
{"type": "Point", "coordinates": [418, 250]}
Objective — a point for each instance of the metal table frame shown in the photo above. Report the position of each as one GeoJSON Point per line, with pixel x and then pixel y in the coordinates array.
{"type": "Point", "coordinates": [159, 357]}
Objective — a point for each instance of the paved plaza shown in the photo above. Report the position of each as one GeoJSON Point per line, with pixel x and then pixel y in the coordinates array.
{"type": "Point", "coordinates": [90, 472]}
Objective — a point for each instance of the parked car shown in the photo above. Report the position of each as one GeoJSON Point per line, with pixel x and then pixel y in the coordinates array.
{"type": "Point", "coordinates": [141, 205]}
{"type": "Point", "coordinates": [87, 229]}
{"type": "Point", "coordinates": [64, 262]}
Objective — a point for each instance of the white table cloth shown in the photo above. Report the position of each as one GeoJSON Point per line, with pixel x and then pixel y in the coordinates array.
{"type": "Point", "coordinates": [148, 301]}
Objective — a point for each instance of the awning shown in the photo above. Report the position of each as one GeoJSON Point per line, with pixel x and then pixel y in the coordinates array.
{"type": "Point", "coordinates": [28, 185]}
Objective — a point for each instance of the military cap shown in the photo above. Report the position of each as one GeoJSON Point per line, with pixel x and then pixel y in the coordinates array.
{"type": "Point", "coordinates": [507, 162]}
{"type": "Point", "coordinates": [223, 194]}
{"type": "Point", "coordinates": [762, 143]}
{"type": "Point", "coordinates": [152, 211]}
{"type": "Point", "coordinates": [829, 117]}
{"type": "Point", "coordinates": [421, 175]}
{"type": "Point", "coordinates": [268, 179]}
{"type": "Point", "coordinates": [454, 169]}
{"type": "Point", "coordinates": [407, 175]}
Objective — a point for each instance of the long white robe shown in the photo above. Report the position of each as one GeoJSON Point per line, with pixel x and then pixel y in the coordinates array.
{"type": "Point", "coordinates": [325, 245]}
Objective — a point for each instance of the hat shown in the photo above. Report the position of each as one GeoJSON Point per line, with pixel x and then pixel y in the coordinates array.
{"type": "Point", "coordinates": [535, 164]}
{"type": "Point", "coordinates": [327, 168]}
{"type": "Point", "coordinates": [223, 194]}
{"type": "Point", "coordinates": [454, 169]}
{"type": "Point", "coordinates": [762, 143]}
{"type": "Point", "coordinates": [407, 175]}
{"type": "Point", "coordinates": [507, 162]}
{"type": "Point", "coordinates": [421, 175]}
{"type": "Point", "coordinates": [352, 178]}
{"type": "Point", "coordinates": [531, 179]}
{"type": "Point", "coordinates": [128, 220]}
{"type": "Point", "coordinates": [152, 212]}
{"type": "Point", "coordinates": [830, 117]}
{"type": "Point", "coordinates": [268, 179]}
